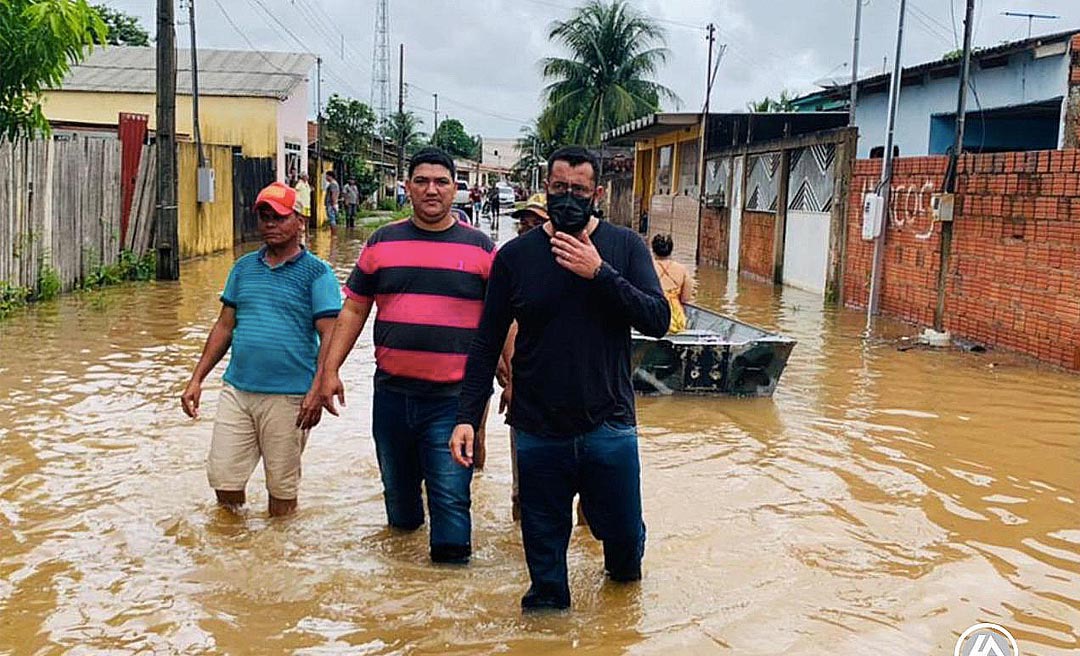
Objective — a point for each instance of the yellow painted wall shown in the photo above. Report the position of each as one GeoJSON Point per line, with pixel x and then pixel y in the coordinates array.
{"type": "Point", "coordinates": [204, 227]}
{"type": "Point", "coordinates": [320, 211]}
{"type": "Point", "coordinates": [250, 123]}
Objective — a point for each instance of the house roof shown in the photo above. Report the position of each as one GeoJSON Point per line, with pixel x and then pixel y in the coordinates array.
{"type": "Point", "coordinates": [978, 55]}
{"type": "Point", "coordinates": [129, 69]}
{"type": "Point", "coordinates": [723, 126]}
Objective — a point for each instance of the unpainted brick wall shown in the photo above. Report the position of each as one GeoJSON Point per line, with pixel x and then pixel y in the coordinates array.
{"type": "Point", "coordinates": [715, 222]}
{"type": "Point", "coordinates": [756, 244]}
{"type": "Point", "coordinates": [1014, 273]}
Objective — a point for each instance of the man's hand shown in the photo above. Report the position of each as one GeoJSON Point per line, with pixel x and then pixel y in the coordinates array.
{"type": "Point", "coordinates": [576, 254]}
{"type": "Point", "coordinates": [189, 400]}
{"type": "Point", "coordinates": [310, 410]}
{"type": "Point", "coordinates": [461, 445]}
{"type": "Point", "coordinates": [330, 386]}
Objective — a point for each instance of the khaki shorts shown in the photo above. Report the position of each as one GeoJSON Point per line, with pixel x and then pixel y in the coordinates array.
{"type": "Point", "coordinates": [251, 425]}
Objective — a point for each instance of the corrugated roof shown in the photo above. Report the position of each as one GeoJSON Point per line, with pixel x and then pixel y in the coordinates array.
{"type": "Point", "coordinates": [128, 69]}
{"type": "Point", "coordinates": [977, 55]}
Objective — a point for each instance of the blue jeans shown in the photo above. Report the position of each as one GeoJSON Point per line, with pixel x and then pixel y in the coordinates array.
{"type": "Point", "coordinates": [331, 215]}
{"type": "Point", "coordinates": [601, 465]}
{"type": "Point", "coordinates": [412, 436]}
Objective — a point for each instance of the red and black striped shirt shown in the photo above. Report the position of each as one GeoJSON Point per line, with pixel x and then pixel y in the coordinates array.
{"type": "Point", "coordinates": [429, 293]}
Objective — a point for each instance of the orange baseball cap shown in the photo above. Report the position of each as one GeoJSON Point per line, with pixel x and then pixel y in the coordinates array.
{"type": "Point", "coordinates": [279, 197]}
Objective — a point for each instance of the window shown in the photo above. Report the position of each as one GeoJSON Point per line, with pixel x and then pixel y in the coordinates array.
{"type": "Point", "coordinates": [688, 168]}
{"type": "Point", "coordinates": [663, 170]}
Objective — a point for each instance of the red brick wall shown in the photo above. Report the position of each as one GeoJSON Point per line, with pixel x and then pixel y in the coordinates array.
{"type": "Point", "coordinates": [1014, 274]}
{"type": "Point", "coordinates": [715, 223]}
{"type": "Point", "coordinates": [756, 244]}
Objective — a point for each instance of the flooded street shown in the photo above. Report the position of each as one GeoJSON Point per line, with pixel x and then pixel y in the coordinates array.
{"type": "Point", "coordinates": [881, 502]}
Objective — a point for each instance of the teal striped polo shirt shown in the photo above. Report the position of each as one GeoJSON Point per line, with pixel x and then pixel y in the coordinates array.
{"type": "Point", "coordinates": [275, 345]}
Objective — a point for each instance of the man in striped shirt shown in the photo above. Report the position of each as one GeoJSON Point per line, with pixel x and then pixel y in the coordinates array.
{"type": "Point", "coordinates": [427, 276]}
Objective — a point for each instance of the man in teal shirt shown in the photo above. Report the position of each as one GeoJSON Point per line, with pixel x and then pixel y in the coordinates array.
{"type": "Point", "coordinates": [278, 306]}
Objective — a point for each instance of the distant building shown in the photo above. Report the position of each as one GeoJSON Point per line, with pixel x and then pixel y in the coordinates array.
{"type": "Point", "coordinates": [257, 101]}
{"type": "Point", "coordinates": [499, 154]}
{"type": "Point", "coordinates": [1018, 99]}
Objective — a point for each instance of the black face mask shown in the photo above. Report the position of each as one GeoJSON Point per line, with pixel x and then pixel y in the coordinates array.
{"type": "Point", "coordinates": [569, 213]}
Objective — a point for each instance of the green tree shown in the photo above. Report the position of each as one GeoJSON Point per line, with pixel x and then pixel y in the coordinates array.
{"type": "Point", "coordinates": [124, 29]}
{"type": "Point", "coordinates": [613, 50]}
{"type": "Point", "coordinates": [451, 137]}
{"type": "Point", "coordinates": [767, 104]}
{"type": "Point", "coordinates": [39, 41]}
{"type": "Point", "coordinates": [535, 145]}
{"type": "Point", "coordinates": [404, 128]}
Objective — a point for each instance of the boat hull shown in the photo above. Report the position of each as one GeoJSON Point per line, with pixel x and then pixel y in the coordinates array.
{"type": "Point", "coordinates": [715, 355]}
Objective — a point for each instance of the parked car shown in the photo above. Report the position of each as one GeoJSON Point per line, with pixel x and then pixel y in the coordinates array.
{"type": "Point", "coordinates": [461, 199]}
{"type": "Point", "coordinates": [506, 195]}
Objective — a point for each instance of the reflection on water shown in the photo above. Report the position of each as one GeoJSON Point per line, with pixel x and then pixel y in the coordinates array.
{"type": "Point", "coordinates": [881, 502]}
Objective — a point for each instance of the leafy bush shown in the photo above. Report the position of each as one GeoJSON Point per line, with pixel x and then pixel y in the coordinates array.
{"type": "Point", "coordinates": [12, 297]}
{"type": "Point", "coordinates": [388, 205]}
{"type": "Point", "coordinates": [128, 267]}
{"type": "Point", "coordinates": [48, 283]}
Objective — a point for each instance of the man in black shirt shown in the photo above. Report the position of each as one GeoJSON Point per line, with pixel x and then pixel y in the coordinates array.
{"type": "Point", "coordinates": [576, 286]}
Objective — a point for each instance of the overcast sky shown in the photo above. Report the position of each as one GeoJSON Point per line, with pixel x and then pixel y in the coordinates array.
{"type": "Point", "coordinates": [481, 56]}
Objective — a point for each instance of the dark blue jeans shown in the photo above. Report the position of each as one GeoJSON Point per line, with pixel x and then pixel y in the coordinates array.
{"type": "Point", "coordinates": [601, 465]}
{"type": "Point", "coordinates": [412, 436]}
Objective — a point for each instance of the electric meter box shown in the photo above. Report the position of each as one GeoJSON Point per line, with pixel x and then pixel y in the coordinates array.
{"type": "Point", "coordinates": [205, 193]}
{"type": "Point", "coordinates": [941, 206]}
{"type": "Point", "coordinates": [873, 207]}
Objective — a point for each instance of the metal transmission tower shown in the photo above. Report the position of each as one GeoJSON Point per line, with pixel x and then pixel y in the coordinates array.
{"type": "Point", "coordinates": [380, 63]}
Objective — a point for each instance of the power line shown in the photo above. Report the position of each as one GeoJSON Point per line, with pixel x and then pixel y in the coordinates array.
{"type": "Point", "coordinates": [243, 36]}
{"type": "Point", "coordinates": [505, 117]}
{"type": "Point", "coordinates": [690, 26]}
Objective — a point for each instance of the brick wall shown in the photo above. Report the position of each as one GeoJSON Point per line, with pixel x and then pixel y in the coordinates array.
{"type": "Point", "coordinates": [1014, 273]}
{"type": "Point", "coordinates": [715, 223]}
{"type": "Point", "coordinates": [756, 244]}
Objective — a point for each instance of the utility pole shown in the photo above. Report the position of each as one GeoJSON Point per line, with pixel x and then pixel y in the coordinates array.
{"type": "Point", "coordinates": [316, 184]}
{"type": "Point", "coordinates": [703, 139]}
{"type": "Point", "coordinates": [954, 165]}
{"type": "Point", "coordinates": [401, 112]}
{"type": "Point", "coordinates": [855, 65]}
{"type": "Point", "coordinates": [195, 86]}
{"type": "Point", "coordinates": [885, 185]}
{"type": "Point", "coordinates": [436, 132]}
{"type": "Point", "coordinates": [166, 237]}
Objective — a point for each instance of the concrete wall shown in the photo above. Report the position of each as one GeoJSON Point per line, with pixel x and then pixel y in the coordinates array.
{"type": "Point", "coordinates": [1023, 80]}
{"type": "Point", "coordinates": [676, 216]}
{"type": "Point", "coordinates": [250, 123]}
{"type": "Point", "coordinates": [1013, 278]}
{"type": "Point", "coordinates": [204, 228]}
{"type": "Point", "coordinates": [292, 127]}
{"type": "Point", "coordinates": [806, 250]}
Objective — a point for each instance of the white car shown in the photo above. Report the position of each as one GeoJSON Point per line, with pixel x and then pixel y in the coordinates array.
{"type": "Point", "coordinates": [506, 195]}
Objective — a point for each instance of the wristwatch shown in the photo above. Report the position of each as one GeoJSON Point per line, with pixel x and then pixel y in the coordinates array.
{"type": "Point", "coordinates": [596, 272]}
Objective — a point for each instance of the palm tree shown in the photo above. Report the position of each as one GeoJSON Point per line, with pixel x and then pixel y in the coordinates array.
{"type": "Point", "coordinates": [535, 145]}
{"type": "Point", "coordinates": [782, 104]}
{"type": "Point", "coordinates": [613, 49]}
{"type": "Point", "coordinates": [404, 128]}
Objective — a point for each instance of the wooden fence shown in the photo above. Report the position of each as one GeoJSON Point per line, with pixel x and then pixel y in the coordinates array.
{"type": "Point", "coordinates": [60, 204]}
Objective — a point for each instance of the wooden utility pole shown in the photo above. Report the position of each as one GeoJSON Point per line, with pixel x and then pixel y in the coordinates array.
{"type": "Point", "coordinates": [401, 114]}
{"type": "Point", "coordinates": [195, 86]}
{"type": "Point", "coordinates": [166, 237]}
{"type": "Point", "coordinates": [316, 183]}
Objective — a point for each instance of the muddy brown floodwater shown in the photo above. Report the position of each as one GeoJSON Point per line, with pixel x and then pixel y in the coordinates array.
{"type": "Point", "coordinates": [881, 503]}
